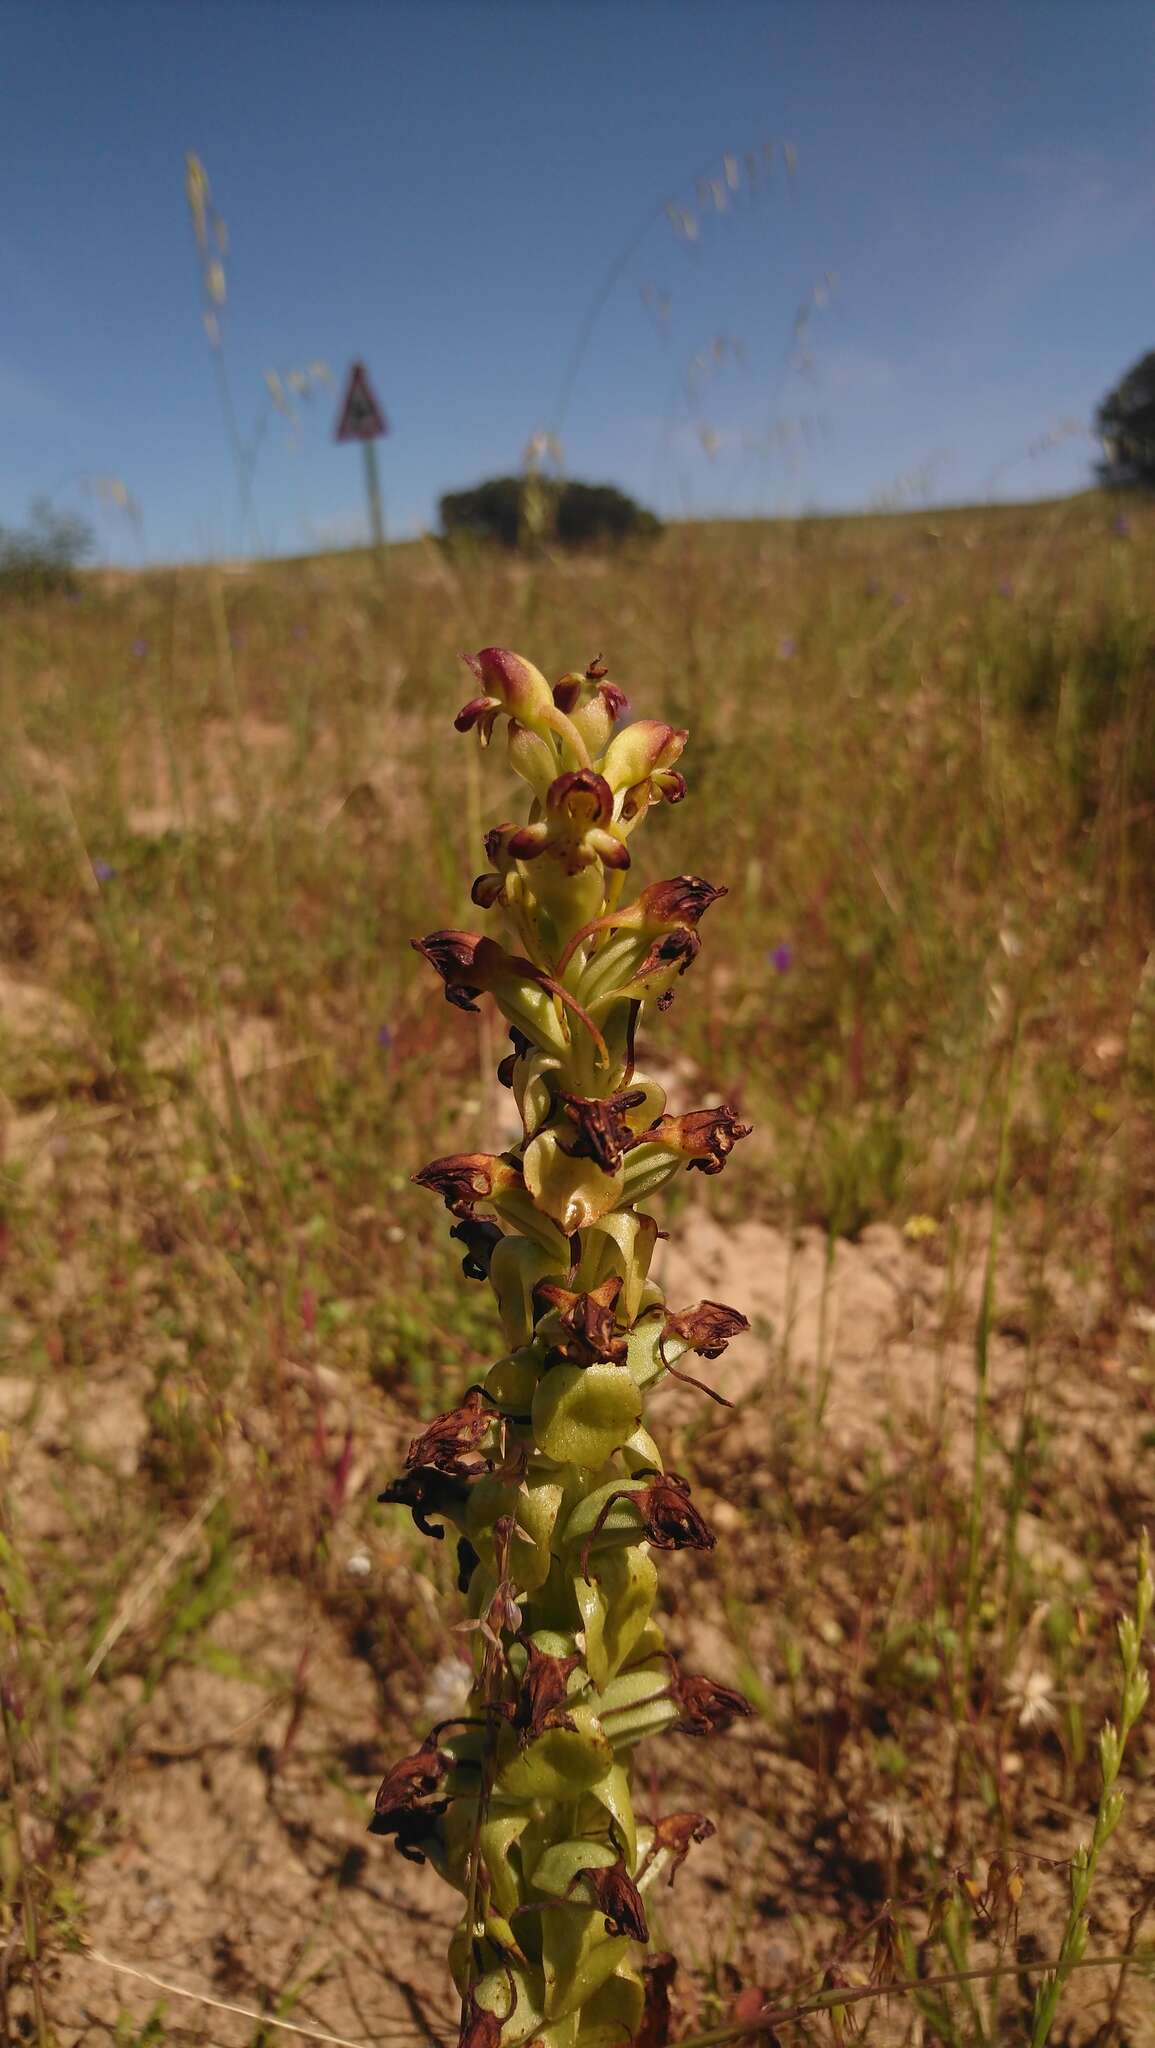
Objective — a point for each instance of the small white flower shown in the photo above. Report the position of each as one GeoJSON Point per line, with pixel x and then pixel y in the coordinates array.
{"type": "Point", "coordinates": [447, 1690]}
{"type": "Point", "coordinates": [1031, 1697]}
{"type": "Point", "coordinates": [359, 1565]}
{"type": "Point", "coordinates": [888, 1815]}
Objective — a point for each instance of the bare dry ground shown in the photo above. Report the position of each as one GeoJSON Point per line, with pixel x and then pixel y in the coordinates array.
{"type": "Point", "coordinates": [225, 1801]}
{"type": "Point", "coordinates": [923, 760]}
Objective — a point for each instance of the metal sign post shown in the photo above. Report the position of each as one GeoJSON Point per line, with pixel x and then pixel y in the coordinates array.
{"type": "Point", "coordinates": [362, 418]}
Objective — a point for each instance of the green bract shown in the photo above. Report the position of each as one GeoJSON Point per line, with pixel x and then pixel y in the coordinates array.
{"type": "Point", "coordinates": [546, 1473]}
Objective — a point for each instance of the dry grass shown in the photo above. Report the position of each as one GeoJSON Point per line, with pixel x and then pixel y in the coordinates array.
{"type": "Point", "coordinates": [923, 758]}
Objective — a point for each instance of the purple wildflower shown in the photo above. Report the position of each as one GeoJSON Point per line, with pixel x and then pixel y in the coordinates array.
{"type": "Point", "coordinates": [1121, 525]}
{"type": "Point", "coordinates": [103, 871]}
{"type": "Point", "coordinates": [384, 1037]}
{"type": "Point", "coordinates": [140, 649]}
{"type": "Point", "coordinates": [782, 959]}
{"type": "Point", "coordinates": [1006, 587]}
{"type": "Point", "coordinates": [787, 647]}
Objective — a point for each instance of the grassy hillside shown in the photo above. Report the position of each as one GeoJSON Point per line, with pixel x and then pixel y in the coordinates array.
{"type": "Point", "coordinates": [922, 758]}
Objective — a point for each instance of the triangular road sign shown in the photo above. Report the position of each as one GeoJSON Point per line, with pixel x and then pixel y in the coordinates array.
{"type": "Point", "coordinates": [361, 417]}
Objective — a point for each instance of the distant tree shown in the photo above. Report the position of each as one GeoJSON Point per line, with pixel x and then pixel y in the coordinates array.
{"type": "Point", "coordinates": [42, 557]}
{"type": "Point", "coordinates": [574, 514]}
{"type": "Point", "coordinates": [1125, 424]}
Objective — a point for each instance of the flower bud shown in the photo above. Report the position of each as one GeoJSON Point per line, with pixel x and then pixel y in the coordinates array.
{"type": "Point", "coordinates": [644, 749]}
{"type": "Point", "coordinates": [592, 703]}
{"type": "Point", "coordinates": [512, 685]}
{"type": "Point", "coordinates": [509, 683]}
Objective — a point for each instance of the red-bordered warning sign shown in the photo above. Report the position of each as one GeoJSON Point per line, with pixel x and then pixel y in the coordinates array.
{"type": "Point", "coordinates": [362, 416]}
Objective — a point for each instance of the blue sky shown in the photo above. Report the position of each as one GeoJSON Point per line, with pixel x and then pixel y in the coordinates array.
{"type": "Point", "coordinates": [448, 190]}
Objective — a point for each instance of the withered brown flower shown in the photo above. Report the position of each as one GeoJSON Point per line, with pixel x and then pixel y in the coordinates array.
{"type": "Point", "coordinates": [684, 899]}
{"type": "Point", "coordinates": [706, 1327]}
{"type": "Point", "coordinates": [452, 956]}
{"type": "Point", "coordinates": [448, 1442]}
{"type": "Point", "coordinates": [677, 1833]}
{"type": "Point", "coordinates": [521, 1046]}
{"type": "Point", "coordinates": [705, 1137]}
{"type": "Point", "coordinates": [588, 1320]}
{"type": "Point", "coordinates": [413, 1778]}
{"type": "Point", "coordinates": [658, 1973]}
{"type": "Point", "coordinates": [463, 1179]}
{"type": "Point", "coordinates": [540, 1702]}
{"type": "Point", "coordinates": [669, 1518]}
{"type": "Point", "coordinates": [425, 1491]}
{"type": "Point", "coordinates": [603, 1134]}
{"type": "Point", "coordinates": [405, 1806]}
{"type": "Point", "coordinates": [618, 1898]}
{"type": "Point", "coordinates": [480, 1241]}
{"type": "Point", "coordinates": [706, 1707]}
{"type": "Point", "coordinates": [670, 955]}
{"type": "Point", "coordinates": [481, 2028]}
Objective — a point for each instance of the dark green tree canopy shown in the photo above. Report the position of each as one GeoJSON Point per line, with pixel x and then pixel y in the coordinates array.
{"type": "Point", "coordinates": [41, 557]}
{"type": "Point", "coordinates": [1125, 424]}
{"type": "Point", "coordinates": [513, 509]}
